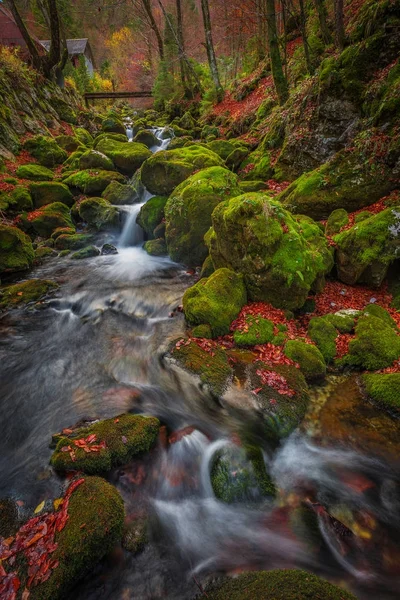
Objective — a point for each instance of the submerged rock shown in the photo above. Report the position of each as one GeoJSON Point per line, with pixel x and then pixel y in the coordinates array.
{"type": "Point", "coordinates": [215, 301]}
{"type": "Point", "coordinates": [108, 444]}
{"type": "Point", "coordinates": [146, 137]}
{"type": "Point", "coordinates": [99, 213]}
{"type": "Point", "coordinates": [25, 292]}
{"type": "Point", "coordinates": [16, 250]}
{"type": "Point", "coordinates": [46, 150]}
{"type": "Point", "coordinates": [189, 209]}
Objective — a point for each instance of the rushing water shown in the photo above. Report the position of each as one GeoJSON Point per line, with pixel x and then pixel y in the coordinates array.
{"type": "Point", "coordinates": [96, 350]}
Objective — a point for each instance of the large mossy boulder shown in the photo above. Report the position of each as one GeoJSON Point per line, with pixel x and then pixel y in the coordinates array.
{"type": "Point", "coordinates": [156, 247]}
{"type": "Point", "coordinates": [282, 257]}
{"type": "Point", "coordinates": [105, 444]}
{"type": "Point", "coordinates": [34, 173]}
{"type": "Point", "coordinates": [308, 357]}
{"type": "Point", "coordinates": [127, 158]}
{"type": "Point", "coordinates": [118, 137]}
{"type": "Point", "coordinates": [323, 332]}
{"type": "Point", "coordinates": [346, 181]}
{"type": "Point", "coordinates": [119, 193]}
{"type": "Point", "coordinates": [50, 191]}
{"type": "Point", "coordinates": [46, 150]}
{"type": "Point", "coordinates": [84, 136]}
{"type": "Point", "coordinates": [365, 251]}
{"type": "Point", "coordinates": [16, 250]}
{"type": "Point", "coordinates": [384, 389]}
{"type": "Point", "coordinates": [25, 292]}
{"type": "Point", "coordinates": [279, 584]}
{"type": "Point", "coordinates": [189, 209]}
{"type": "Point", "coordinates": [92, 182]}
{"type": "Point", "coordinates": [48, 218]}
{"type": "Point", "coordinates": [99, 213]}
{"type": "Point", "coordinates": [165, 170]}
{"type": "Point", "coordinates": [19, 199]}
{"type": "Point", "coordinates": [112, 124]}
{"type": "Point", "coordinates": [256, 166]}
{"type": "Point", "coordinates": [151, 214]}
{"type": "Point", "coordinates": [221, 147]}
{"type": "Point", "coordinates": [93, 159]}
{"type": "Point", "coordinates": [75, 241]}
{"type": "Point", "coordinates": [69, 143]}
{"type": "Point", "coordinates": [212, 366]}
{"type": "Point", "coordinates": [215, 301]}
{"type": "Point", "coordinates": [86, 252]}
{"type": "Point", "coordinates": [146, 137]}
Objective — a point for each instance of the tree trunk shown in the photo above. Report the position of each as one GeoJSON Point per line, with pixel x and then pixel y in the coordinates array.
{"type": "Point", "coordinates": [280, 81]}
{"type": "Point", "coordinates": [212, 61]}
{"type": "Point", "coordinates": [181, 42]}
{"type": "Point", "coordinates": [153, 25]}
{"type": "Point", "coordinates": [32, 49]}
{"type": "Point", "coordinates": [261, 34]}
{"type": "Point", "coordinates": [323, 21]}
{"type": "Point", "coordinates": [303, 29]}
{"type": "Point", "coordinates": [339, 20]}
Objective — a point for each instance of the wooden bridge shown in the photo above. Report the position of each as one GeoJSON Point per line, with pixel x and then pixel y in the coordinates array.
{"type": "Point", "coordinates": [114, 95]}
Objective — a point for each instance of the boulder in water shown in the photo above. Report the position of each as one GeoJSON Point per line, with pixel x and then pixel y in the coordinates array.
{"type": "Point", "coordinates": [93, 159]}
{"type": "Point", "coordinates": [146, 137]}
{"type": "Point", "coordinates": [93, 182]}
{"type": "Point", "coordinates": [112, 124]}
{"type": "Point", "coordinates": [151, 214]}
{"type": "Point", "coordinates": [46, 150]}
{"type": "Point", "coordinates": [73, 242]}
{"type": "Point", "coordinates": [48, 192]}
{"type": "Point", "coordinates": [35, 173]}
{"type": "Point", "coordinates": [25, 292]}
{"type": "Point", "coordinates": [156, 247]}
{"type": "Point", "coordinates": [108, 249]}
{"type": "Point", "coordinates": [119, 193]}
{"type": "Point", "coordinates": [127, 158]}
{"type": "Point", "coordinates": [48, 218]}
{"type": "Point", "coordinates": [99, 213]}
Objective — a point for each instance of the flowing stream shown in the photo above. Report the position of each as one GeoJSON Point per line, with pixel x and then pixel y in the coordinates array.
{"type": "Point", "coordinates": [96, 350]}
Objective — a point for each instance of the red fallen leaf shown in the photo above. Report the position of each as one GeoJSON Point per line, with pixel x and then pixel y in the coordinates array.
{"type": "Point", "coordinates": [67, 431]}
{"type": "Point", "coordinates": [20, 294]}
{"type": "Point", "coordinates": [82, 526]}
{"type": "Point", "coordinates": [73, 455]}
{"type": "Point", "coordinates": [91, 438]}
{"type": "Point", "coordinates": [116, 420]}
{"type": "Point", "coordinates": [66, 449]}
{"type": "Point", "coordinates": [256, 391]}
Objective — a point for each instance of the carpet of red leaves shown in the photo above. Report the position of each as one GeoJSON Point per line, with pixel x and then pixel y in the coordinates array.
{"type": "Point", "coordinates": [36, 542]}
{"type": "Point", "coordinates": [240, 108]}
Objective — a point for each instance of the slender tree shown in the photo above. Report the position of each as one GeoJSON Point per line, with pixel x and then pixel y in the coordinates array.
{"type": "Point", "coordinates": [32, 48]}
{"type": "Point", "coordinates": [153, 25]}
{"type": "Point", "coordinates": [323, 21]}
{"type": "Point", "coordinates": [303, 29]}
{"type": "Point", "coordinates": [339, 22]}
{"type": "Point", "coordinates": [181, 42]}
{"type": "Point", "coordinates": [212, 61]}
{"type": "Point", "coordinates": [278, 75]}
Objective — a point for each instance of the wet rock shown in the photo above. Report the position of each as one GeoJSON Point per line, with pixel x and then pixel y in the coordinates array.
{"type": "Point", "coordinates": [108, 249]}
{"type": "Point", "coordinates": [189, 209]}
{"type": "Point", "coordinates": [384, 390]}
{"type": "Point", "coordinates": [8, 517]}
{"type": "Point", "coordinates": [108, 444]}
{"type": "Point", "coordinates": [127, 158]}
{"type": "Point", "coordinates": [156, 247]}
{"type": "Point", "coordinates": [215, 301]}
{"type": "Point", "coordinates": [25, 292]}
{"type": "Point", "coordinates": [35, 173]}
{"type": "Point", "coordinates": [146, 137]}
{"type": "Point", "coordinates": [151, 214]}
{"type": "Point", "coordinates": [135, 536]}
{"type": "Point", "coordinates": [87, 252]}
{"type": "Point", "coordinates": [92, 183]}
{"type": "Point", "coordinates": [50, 217]}
{"type": "Point", "coordinates": [44, 252]}
{"type": "Point", "coordinates": [99, 213]}
{"type": "Point", "coordinates": [118, 193]}
{"type": "Point", "coordinates": [16, 250]}
{"type": "Point", "coordinates": [93, 159]}
{"type": "Point", "coordinates": [282, 257]}
{"type": "Point", "coordinates": [46, 150]}
{"type": "Point", "coordinates": [164, 171]}
{"type": "Point", "coordinates": [73, 242]}
{"type": "Point", "coordinates": [49, 192]}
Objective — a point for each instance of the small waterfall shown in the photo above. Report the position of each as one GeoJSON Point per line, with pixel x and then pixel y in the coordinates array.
{"type": "Point", "coordinates": [164, 135]}
{"type": "Point", "coordinates": [132, 234]}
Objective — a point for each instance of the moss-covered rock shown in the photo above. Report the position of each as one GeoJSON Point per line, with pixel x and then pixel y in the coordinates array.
{"type": "Point", "coordinates": [207, 268]}
{"type": "Point", "coordinates": [165, 170]}
{"type": "Point", "coordinates": [93, 182]}
{"type": "Point", "coordinates": [375, 346]}
{"type": "Point", "coordinates": [25, 292]}
{"type": "Point", "coordinates": [123, 438]}
{"type": "Point", "coordinates": [212, 367]}
{"type": "Point", "coordinates": [48, 192]}
{"type": "Point", "coordinates": [46, 150]}
{"type": "Point", "coordinates": [366, 250]}
{"type": "Point", "coordinates": [384, 389]}
{"type": "Point", "coordinates": [255, 330]}
{"type": "Point", "coordinates": [308, 357]}
{"type": "Point", "coordinates": [62, 231]}
{"type": "Point", "coordinates": [209, 130]}
{"type": "Point", "coordinates": [236, 158]}
{"type": "Point", "coordinates": [252, 186]}
{"type": "Point", "coordinates": [48, 218]}
{"type": "Point", "coordinates": [93, 159]}
{"type": "Point", "coordinates": [151, 214]}
{"type": "Point", "coordinates": [215, 301]}
{"type": "Point", "coordinates": [336, 220]}
{"type": "Point", "coordinates": [72, 163]}
{"type": "Point", "coordinates": [280, 256]}
{"type": "Point", "coordinates": [146, 137]}
{"type": "Point", "coordinates": [280, 584]}
{"type": "Point", "coordinates": [156, 247]}
{"type": "Point", "coordinates": [180, 142]}
{"type": "Point", "coordinates": [343, 320]}
{"type": "Point", "coordinates": [69, 143]}
{"type": "Point", "coordinates": [87, 252]}
{"type": "Point", "coordinates": [43, 252]}
{"type": "Point", "coordinates": [221, 147]}
{"type": "Point", "coordinates": [18, 200]}
{"type": "Point", "coordinates": [118, 137]}
{"type": "Point", "coordinates": [84, 136]}
{"type": "Point", "coordinates": [73, 242]}
{"type": "Point", "coordinates": [117, 193]}
{"type": "Point", "coordinates": [99, 213]}
{"type": "Point", "coordinates": [113, 125]}
{"type": "Point", "coordinates": [324, 334]}
{"type": "Point", "coordinates": [346, 181]}
{"type": "Point", "coordinates": [256, 165]}
{"type": "Point", "coordinates": [16, 250]}
{"type": "Point", "coordinates": [94, 527]}
{"type": "Point", "coordinates": [127, 158]}
{"type": "Point", "coordinates": [35, 173]}
{"type": "Point", "coordinates": [189, 209]}
{"type": "Point", "coordinates": [238, 474]}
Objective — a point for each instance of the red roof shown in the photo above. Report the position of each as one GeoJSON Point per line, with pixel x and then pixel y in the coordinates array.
{"type": "Point", "coordinates": [10, 34]}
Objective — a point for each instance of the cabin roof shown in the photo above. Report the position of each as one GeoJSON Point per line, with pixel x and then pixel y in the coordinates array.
{"type": "Point", "coordinates": [78, 46]}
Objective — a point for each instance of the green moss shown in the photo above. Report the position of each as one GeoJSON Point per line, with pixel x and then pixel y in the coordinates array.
{"type": "Point", "coordinates": [83, 136]}
{"type": "Point", "coordinates": [87, 252]}
{"type": "Point", "coordinates": [147, 138]}
{"type": "Point", "coordinates": [69, 143]}
{"type": "Point", "coordinates": [99, 213]}
{"type": "Point", "coordinates": [93, 182]}
{"type": "Point", "coordinates": [151, 214]}
{"type": "Point", "coordinates": [16, 251]}
{"type": "Point", "coordinates": [62, 231]}
{"type": "Point", "coordinates": [324, 334]}
{"type": "Point", "coordinates": [156, 247]}
{"type": "Point", "coordinates": [127, 158]}
{"type": "Point", "coordinates": [209, 130]}
{"type": "Point", "coordinates": [279, 585]}
{"type": "Point", "coordinates": [236, 158]}
{"type": "Point", "coordinates": [25, 292]}
{"type": "Point", "coordinates": [180, 142]}
{"type": "Point", "coordinates": [113, 125]}
{"type": "Point", "coordinates": [365, 214]}
{"type": "Point", "coordinates": [255, 331]}
{"type": "Point", "coordinates": [343, 321]}
{"type": "Point", "coordinates": [165, 170]}
{"type": "Point", "coordinates": [215, 301]}
{"type": "Point", "coordinates": [72, 163]}
{"type": "Point", "coordinates": [280, 256]}
{"type": "Point", "coordinates": [64, 110]}
{"type": "Point", "coordinates": [376, 345]}
{"type": "Point", "coordinates": [207, 268]}
{"type": "Point", "coordinates": [73, 242]}
{"type": "Point", "coordinates": [43, 252]}
{"type": "Point", "coordinates": [125, 437]}
{"type": "Point", "coordinates": [19, 199]}
{"type": "Point", "coordinates": [308, 357]}
{"type": "Point", "coordinates": [221, 147]}
{"type": "Point", "coordinates": [118, 137]}
{"type": "Point", "coordinates": [117, 193]}
{"type": "Point", "coordinates": [256, 166]}
{"type": "Point", "coordinates": [35, 173]}
{"type": "Point", "coordinates": [50, 191]}
{"type": "Point", "coordinates": [365, 251]}
{"type": "Point", "coordinates": [337, 219]}
{"type": "Point", "coordinates": [94, 527]}
{"type": "Point", "coordinates": [377, 311]}
{"type": "Point", "coordinates": [46, 150]}
{"type": "Point", "coordinates": [189, 209]}
{"type": "Point", "coordinates": [64, 253]}
{"type": "Point", "coordinates": [252, 186]}
{"type": "Point", "coordinates": [48, 218]}
{"type": "Point", "coordinates": [384, 390]}
{"type": "Point", "coordinates": [214, 370]}
{"type": "Point", "coordinates": [93, 159]}
{"type": "Point", "coordinates": [202, 331]}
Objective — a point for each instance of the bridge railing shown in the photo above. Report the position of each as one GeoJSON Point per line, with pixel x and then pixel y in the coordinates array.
{"type": "Point", "coordinates": [113, 95]}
